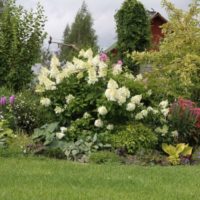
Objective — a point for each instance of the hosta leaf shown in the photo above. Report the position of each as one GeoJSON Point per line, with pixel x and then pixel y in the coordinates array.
{"type": "Point", "coordinates": [169, 149]}
{"type": "Point", "coordinates": [175, 160]}
{"type": "Point", "coordinates": [88, 144]}
{"type": "Point", "coordinates": [180, 147]}
{"type": "Point", "coordinates": [52, 127]}
{"type": "Point", "coordinates": [187, 151]}
{"type": "Point", "coordinates": [75, 152]}
{"type": "Point", "coordinates": [67, 153]}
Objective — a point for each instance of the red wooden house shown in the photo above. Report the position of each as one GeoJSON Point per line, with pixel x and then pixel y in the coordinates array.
{"type": "Point", "coordinates": [157, 20]}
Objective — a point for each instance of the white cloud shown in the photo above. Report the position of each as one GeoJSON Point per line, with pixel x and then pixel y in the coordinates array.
{"type": "Point", "coordinates": [62, 12]}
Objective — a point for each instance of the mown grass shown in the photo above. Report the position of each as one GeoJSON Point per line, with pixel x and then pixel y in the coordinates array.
{"type": "Point", "coordinates": [49, 179]}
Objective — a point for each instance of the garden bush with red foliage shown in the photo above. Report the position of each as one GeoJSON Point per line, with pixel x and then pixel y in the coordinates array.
{"type": "Point", "coordinates": [185, 118]}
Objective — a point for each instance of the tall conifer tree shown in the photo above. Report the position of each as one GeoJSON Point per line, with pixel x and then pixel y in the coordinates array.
{"type": "Point", "coordinates": [133, 30]}
{"type": "Point", "coordinates": [81, 34]}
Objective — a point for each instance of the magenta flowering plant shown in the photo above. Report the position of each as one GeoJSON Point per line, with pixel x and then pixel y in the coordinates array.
{"type": "Point", "coordinates": [6, 104]}
{"type": "Point", "coordinates": [12, 100]}
{"type": "Point", "coordinates": [3, 101]}
{"type": "Point", "coordinates": [6, 112]}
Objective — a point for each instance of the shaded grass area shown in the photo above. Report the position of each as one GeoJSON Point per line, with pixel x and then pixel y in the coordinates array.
{"type": "Point", "coordinates": [49, 179]}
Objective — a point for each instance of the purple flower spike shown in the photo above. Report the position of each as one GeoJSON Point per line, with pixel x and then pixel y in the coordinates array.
{"type": "Point", "coordinates": [3, 101]}
{"type": "Point", "coordinates": [103, 57]}
{"type": "Point", "coordinates": [12, 99]}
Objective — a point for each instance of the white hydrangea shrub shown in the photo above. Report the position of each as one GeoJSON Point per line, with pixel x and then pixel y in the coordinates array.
{"type": "Point", "coordinates": [105, 91]}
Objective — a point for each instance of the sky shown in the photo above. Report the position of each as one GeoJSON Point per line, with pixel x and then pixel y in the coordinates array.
{"type": "Point", "coordinates": [62, 12]}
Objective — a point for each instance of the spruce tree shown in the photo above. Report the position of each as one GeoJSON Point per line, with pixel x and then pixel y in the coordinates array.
{"type": "Point", "coordinates": [81, 34]}
{"type": "Point", "coordinates": [133, 30]}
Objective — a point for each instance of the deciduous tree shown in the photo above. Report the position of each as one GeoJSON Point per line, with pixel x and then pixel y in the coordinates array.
{"type": "Point", "coordinates": [177, 63]}
{"type": "Point", "coordinates": [21, 38]}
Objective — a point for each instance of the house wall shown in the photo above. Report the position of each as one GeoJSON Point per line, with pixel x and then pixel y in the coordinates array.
{"type": "Point", "coordinates": [156, 30]}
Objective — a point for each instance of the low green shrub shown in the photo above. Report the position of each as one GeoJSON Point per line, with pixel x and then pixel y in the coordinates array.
{"type": "Point", "coordinates": [17, 146]}
{"type": "Point", "coordinates": [5, 91]}
{"type": "Point", "coordinates": [134, 137]}
{"type": "Point", "coordinates": [28, 113]}
{"type": "Point", "coordinates": [52, 140]}
{"type": "Point", "coordinates": [102, 157]}
{"type": "Point", "coordinates": [6, 134]}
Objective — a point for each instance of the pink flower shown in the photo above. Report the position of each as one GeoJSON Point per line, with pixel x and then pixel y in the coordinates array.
{"type": "Point", "coordinates": [12, 99]}
{"type": "Point", "coordinates": [3, 101]}
{"type": "Point", "coordinates": [119, 62]}
{"type": "Point", "coordinates": [184, 103]}
{"type": "Point", "coordinates": [103, 57]}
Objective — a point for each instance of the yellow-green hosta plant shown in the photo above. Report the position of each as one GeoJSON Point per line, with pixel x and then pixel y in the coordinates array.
{"type": "Point", "coordinates": [175, 152]}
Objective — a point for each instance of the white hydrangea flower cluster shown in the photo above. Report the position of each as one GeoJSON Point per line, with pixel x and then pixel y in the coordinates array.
{"type": "Point", "coordinates": [144, 113]}
{"type": "Point", "coordinates": [102, 110]}
{"type": "Point", "coordinates": [135, 100]}
{"type": "Point", "coordinates": [86, 115]}
{"type": "Point", "coordinates": [117, 68]}
{"type": "Point", "coordinates": [98, 123]}
{"type": "Point", "coordinates": [110, 127]}
{"type": "Point", "coordinates": [69, 98]}
{"type": "Point", "coordinates": [130, 107]}
{"type": "Point", "coordinates": [141, 115]}
{"type": "Point", "coordinates": [46, 82]}
{"type": "Point", "coordinates": [95, 68]}
{"type": "Point", "coordinates": [54, 71]}
{"type": "Point", "coordinates": [62, 132]}
{"type": "Point", "coordinates": [164, 107]}
{"type": "Point", "coordinates": [45, 102]}
{"type": "Point", "coordinates": [114, 93]}
{"type": "Point", "coordinates": [58, 110]}
{"type": "Point", "coordinates": [163, 130]}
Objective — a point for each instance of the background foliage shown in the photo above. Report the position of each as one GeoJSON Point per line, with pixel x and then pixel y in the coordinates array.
{"type": "Point", "coordinates": [177, 63]}
{"type": "Point", "coordinates": [133, 30]}
{"type": "Point", "coordinates": [80, 33]}
{"type": "Point", "coordinates": [21, 37]}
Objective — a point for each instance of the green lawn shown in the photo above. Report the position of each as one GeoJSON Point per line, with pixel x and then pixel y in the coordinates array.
{"type": "Point", "coordinates": [45, 179]}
